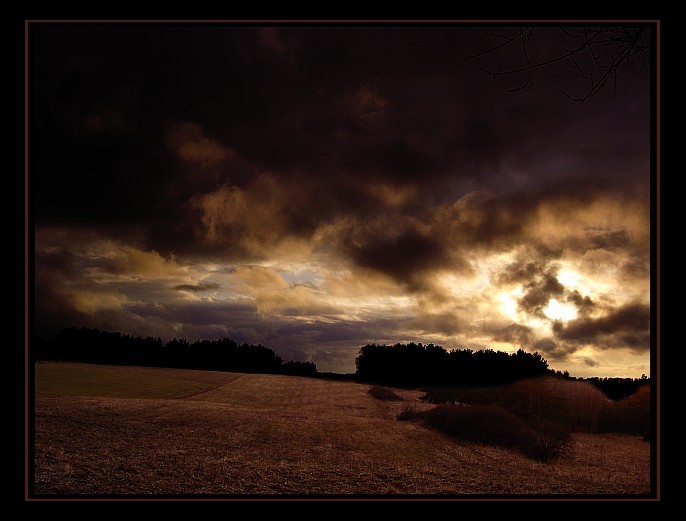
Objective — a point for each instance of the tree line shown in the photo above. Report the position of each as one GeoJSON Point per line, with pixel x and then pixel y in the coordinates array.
{"type": "Point", "coordinates": [401, 365]}
{"type": "Point", "coordinates": [616, 388]}
{"type": "Point", "coordinates": [111, 347]}
{"type": "Point", "coordinates": [416, 365]}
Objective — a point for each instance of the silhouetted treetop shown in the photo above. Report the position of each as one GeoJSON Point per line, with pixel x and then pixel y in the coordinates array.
{"type": "Point", "coordinates": [417, 364]}
{"type": "Point", "coordinates": [105, 347]}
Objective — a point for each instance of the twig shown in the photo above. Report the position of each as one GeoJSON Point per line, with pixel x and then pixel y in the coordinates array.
{"type": "Point", "coordinates": [623, 43]}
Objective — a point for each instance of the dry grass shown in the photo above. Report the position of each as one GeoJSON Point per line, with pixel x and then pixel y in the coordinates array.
{"type": "Point", "coordinates": [64, 379]}
{"type": "Point", "coordinates": [578, 405]}
{"type": "Point", "coordinates": [272, 434]}
{"type": "Point", "coordinates": [384, 393]}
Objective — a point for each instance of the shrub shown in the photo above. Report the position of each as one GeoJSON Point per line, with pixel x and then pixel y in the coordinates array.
{"type": "Point", "coordinates": [630, 415]}
{"type": "Point", "coordinates": [450, 395]}
{"type": "Point", "coordinates": [496, 426]}
{"type": "Point", "coordinates": [383, 393]}
{"type": "Point", "coordinates": [550, 441]}
{"type": "Point", "coordinates": [570, 404]}
{"type": "Point", "coordinates": [408, 413]}
{"type": "Point", "coordinates": [490, 424]}
{"type": "Point", "coordinates": [576, 405]}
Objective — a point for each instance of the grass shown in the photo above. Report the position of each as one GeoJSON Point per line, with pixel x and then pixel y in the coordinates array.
{"type": "Point", "coordinates": [60, 379]}
{"type": "Point", "coordinates": [384, 393]}
{"type": "Point", "coordinates": [275, 435]}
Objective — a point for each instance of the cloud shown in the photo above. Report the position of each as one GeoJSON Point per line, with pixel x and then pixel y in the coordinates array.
{"type": "Point", "coordinates": [521, 272]}
{"type": "Point", "coordinates": [189, 142]}
{"type": "Point", "coordinates": [626, 326]}
{"type": "Point", "coordinates": [259, 278]}
{"type": "Point", "coordinates": [539, 292]}
{"type": "Point", "coordinates": [278, 43]}
{"type": "Point", "coordinates": [111, 259]}
{"type": "Point", "coordinates": [57, 260]}
{"type": "Point", "coordinates": [607, 238]}
{"type": "Point", "coordinates": [428, 323]}
{"type": "Point", "coordinates": [89, 274]}
{"type": "Point", "coordinates": [584, 304]}
{"type": "Point", "coordinates": [555, 350]}
{"type": "Point", "coordinates": [203, 286]}
{"type": "Point", "coordinates": [636, 268]}
{"type": "Point", "coordinates": [239, 220]}
{"type": "Point", "coordinates": [392, 196]}
{"type": "Point", "coordinates": [270, 40]}
{"type": "Point", "coordinates": [406, 257]}
{"type": "Point", "coordinates": [514, 333]}
{"type": "Point", "coordinates": [110, 120]}
{"type": "Point", "coordinates": [297, 301]}
{"type": "Point", "coordinates": [255, 220]}
{"type": "Point", "coordinates": [482, 219]}
{"type": "Point", "coordinates": [369, 106]}
{"type": "Point", "coordinates": [255, 214]}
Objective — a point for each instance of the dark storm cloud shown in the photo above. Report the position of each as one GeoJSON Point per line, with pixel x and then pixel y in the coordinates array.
{"type": "Point", "coordinates": [539, 292]}
{"type": "Point", "coordinates": [201, 313]}
{"type": "Point", "coordinates": [481, 219]}
{"type": "Point", "coordinates": [405, 257]}
{"type": "Point", "coordinates": [545, 344]}
{"type": "Point", "coordinates": [554, 350]}
{"type": "Point", "coordinates": [53, 308]}
{"type": "Point", "coordinates": [607, 239]}
{"type": "Point", "coordinates": [497, 221]}
{"type": "Point", "coordinates": [447, 324]}
{"type": "Point", "coordinates": [323, 134]}
{"type": "Point", "coordinates": [536, 261]}
{"type": "Point", "coordinates": [514, 333]}
{"type": "Point", "coordinates": [432, 117]}
{"type": "Point", "coordinates": [626, 326]}
{"type": "Point", "coordinates": [477, 221]}
{"type": "Point", "coordinates": [386, 228]}
{"type": "Point", "coordinates": [637, 267]}
{"type": "Point", "coordinates": [58, 261]}
{"type": "Point", "coordinates": [522, 272]}
{"type": "Point", "coordinates": [584, 304]}
{"type": "Point", "coordinates": [204, 286]}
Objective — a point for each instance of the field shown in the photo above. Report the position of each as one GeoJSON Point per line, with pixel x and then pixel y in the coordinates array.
{"type": "Point", "coordinates": [135, 430]}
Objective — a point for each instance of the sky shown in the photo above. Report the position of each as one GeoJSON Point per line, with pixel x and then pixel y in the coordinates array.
{"type": "Point", "coordinates": [319, 188]}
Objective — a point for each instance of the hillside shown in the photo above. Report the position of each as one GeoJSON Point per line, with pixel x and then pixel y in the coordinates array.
{"type": "Point", "coordinates": [135, 430]}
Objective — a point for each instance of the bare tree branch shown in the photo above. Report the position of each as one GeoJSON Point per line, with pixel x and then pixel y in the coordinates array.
{"type": "Point", "coordinates": [607, 48]}
{"type": "Point", "coordinates": [508, 40]}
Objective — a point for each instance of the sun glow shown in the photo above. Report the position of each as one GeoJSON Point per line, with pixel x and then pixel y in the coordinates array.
{"type": "Point", "coordinates": [591, 285]}
{"type": "Point", "coordinates": [508, 303]}
{"type": "Point", "coordinates": [570, 278]}
{"type": "Point", "coordinates": [557, 311]}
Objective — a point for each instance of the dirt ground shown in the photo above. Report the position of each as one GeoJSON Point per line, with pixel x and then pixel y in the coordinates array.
{"type": "Point", "coordinates": [126, 430]}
